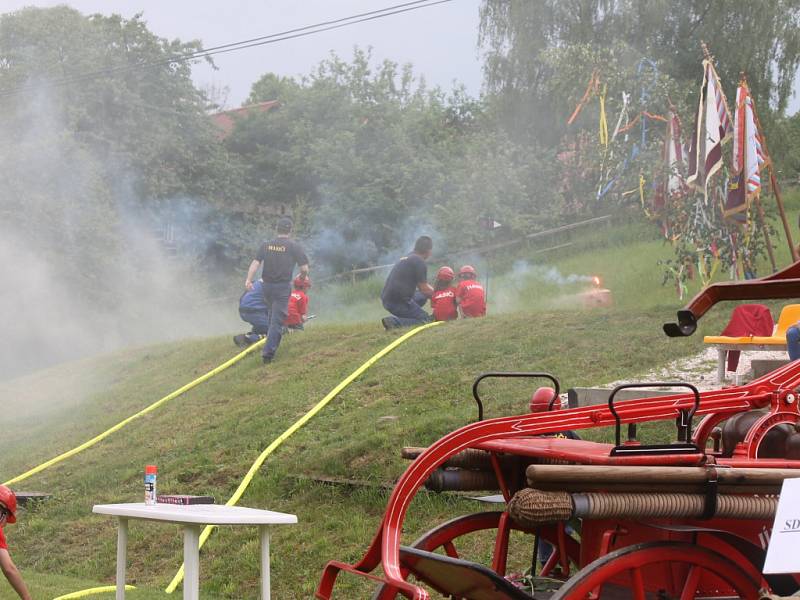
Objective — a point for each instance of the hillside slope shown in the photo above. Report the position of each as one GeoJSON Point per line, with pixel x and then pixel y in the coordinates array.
{"type": "Point", "coordinates": [204, 441]}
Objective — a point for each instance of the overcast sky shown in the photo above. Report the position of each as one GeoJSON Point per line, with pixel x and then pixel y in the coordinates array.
{"type": "Point", "coordinates": [440, 41]}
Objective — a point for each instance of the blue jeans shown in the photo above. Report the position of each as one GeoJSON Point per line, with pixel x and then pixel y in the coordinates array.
{"type": "Point", "coordinates": [276, 296]}
{"type": "Point", "coordinates": [793, 342]}
{"type": "Point", "coordinates": [409, 312]}
{"type": "Point", "coordinates": [259, 319]}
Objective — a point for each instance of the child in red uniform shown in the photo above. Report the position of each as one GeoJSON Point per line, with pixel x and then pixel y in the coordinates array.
{"type": "Point", "coordinates": [469, 293]}
{"type": "Point", "coordinates": [298, 303]}
{"type": "Point", "coordinates": [443, 301]}
{"type": "Point", "coordinates": [8, 509]}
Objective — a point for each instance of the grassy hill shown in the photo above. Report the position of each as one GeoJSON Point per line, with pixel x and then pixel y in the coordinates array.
{"type": "Point", "coordinates": [205, 440]}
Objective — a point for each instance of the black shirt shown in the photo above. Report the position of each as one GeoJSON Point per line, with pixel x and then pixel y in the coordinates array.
{"type": "Point", "coordinates": [279, 257]}
{"type": "Point", "coordinates": [404, 277]}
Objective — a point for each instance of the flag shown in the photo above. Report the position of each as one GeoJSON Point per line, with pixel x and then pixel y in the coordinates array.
{"type": "Point", "coordinates": [675, 158]}
{"type": "Point", "coordinates": [748, 156]}
{"type": "Point", "coordinates": [712, 129]}
{"type": "Point", "coordinates": [673, 184]}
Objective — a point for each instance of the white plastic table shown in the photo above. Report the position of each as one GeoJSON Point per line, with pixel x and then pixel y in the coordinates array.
{"type": "Point", "coordinates": [193, 518]}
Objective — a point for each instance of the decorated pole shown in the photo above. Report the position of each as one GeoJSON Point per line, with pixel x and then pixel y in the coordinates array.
{"type": "Point", "coordinates": [776, 190]}
{"type": "Point", "coordinates": [766, 234]}
{"type": "Point", "coordinates": [748, 155]}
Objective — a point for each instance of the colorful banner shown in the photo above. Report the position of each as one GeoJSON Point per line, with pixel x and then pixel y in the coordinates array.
{"type": "Point", "coordinates": [748, 156]}
{"type": "Point", "coordinates": [712, 129]}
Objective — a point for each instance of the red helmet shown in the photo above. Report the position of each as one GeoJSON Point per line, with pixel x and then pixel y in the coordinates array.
{"type": "Point", "coordinates": [302, 283]}
{"type": "Point", "coordinates": [8, 498]}
{"type": "Point", "coordinates": [541, 399]}
{"type": "Point", "coordinates": [467, 269]}
{"type": "Point", "coordinates": [445, 274]}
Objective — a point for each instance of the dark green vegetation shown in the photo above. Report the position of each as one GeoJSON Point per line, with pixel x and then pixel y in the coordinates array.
{"type": "Point", "coordinates": [361, 152]}
{"type": "Point", "coordinates": [533, 47]}
{"type": "Point", "coordinates": [205, 441]}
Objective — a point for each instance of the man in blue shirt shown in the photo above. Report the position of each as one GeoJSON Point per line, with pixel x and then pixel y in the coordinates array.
{"type": "Point", "coordinates": [253, 310]}
{"type": "Point", "coordinates": [407, 289]}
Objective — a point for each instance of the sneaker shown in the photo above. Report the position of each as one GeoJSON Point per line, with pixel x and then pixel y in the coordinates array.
{"type": "Point", "coordinates": [266, 359]}
{"type": "Point", "coordinates": [388, 323]}
{"type": "Point", "coordinates": [241, 340]}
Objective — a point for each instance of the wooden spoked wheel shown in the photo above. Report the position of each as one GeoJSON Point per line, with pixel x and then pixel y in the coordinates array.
{"type": "Point", "coordinates": [445, 537]}
{"type": "Point", "coordinates": [660, 571]}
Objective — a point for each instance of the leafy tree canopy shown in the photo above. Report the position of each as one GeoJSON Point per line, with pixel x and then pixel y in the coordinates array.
{"type": "Point", "coordinates": [761, 39]}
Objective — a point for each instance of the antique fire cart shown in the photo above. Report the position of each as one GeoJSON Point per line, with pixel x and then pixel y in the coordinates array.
{"type": "Point", "coordinates": [684, 520]}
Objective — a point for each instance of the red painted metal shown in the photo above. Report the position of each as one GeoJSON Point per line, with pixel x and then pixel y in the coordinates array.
{"type": "Point", "coordinates": [783, 284]}
{"type": "Point", "coordinates": [515, 435]}
{"type": "Point", "coordinates": [447, 535]}
{"type": "Point", "coordinates": [679, 569]}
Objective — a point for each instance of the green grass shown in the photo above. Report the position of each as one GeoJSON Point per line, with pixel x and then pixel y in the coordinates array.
{"type": "Point", "coordinates": [624, 255]}
{"type": "Point", "coordinates": [205, 440]}
{"type": "Point", "coordinates": [50, 586]}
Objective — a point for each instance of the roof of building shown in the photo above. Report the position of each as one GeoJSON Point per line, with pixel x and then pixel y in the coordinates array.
{"type": "Point", "coordinates": [226, 119]}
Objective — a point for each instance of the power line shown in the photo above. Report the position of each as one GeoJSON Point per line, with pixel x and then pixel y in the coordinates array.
{"type": "Point", "coordinates": [241, 45]}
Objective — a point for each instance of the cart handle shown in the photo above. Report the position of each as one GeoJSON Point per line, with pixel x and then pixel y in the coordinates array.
{"type": "Point", "coordinates": [686, 416]}
{"type": "Point", "coordinates": [512, 374]}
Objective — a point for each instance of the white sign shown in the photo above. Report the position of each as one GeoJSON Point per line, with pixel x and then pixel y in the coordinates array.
{"type": "Point", "coordinates": [782, 555]}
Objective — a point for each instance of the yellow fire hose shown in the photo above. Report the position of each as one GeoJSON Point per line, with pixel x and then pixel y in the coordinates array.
{"type": "Point", "coordinates": [92, 591]}
{"type": "Point", "coordinates": [293, 428]}
{"type": "Point", "coordinates": [141, 413]}
{"type": "Point", "coordinates": [253, 469]}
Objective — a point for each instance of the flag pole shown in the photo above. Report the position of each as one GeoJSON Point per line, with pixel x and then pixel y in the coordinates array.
{"type": "Point", "coordinates": [710, 60]}
{"type": "Point", "coordinates": [757, 197]}
{"type": "Point", "coordinates": [766, 233]}
{"type": "Point", "coordinates": [775, 189]}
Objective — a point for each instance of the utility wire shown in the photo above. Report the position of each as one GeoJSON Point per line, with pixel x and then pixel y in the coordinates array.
{"type": "Point", "coordinates": [241, 45]}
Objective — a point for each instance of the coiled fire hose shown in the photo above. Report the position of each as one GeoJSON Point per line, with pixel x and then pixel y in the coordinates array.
{"type": "Point", "coordinates": [532, 507]}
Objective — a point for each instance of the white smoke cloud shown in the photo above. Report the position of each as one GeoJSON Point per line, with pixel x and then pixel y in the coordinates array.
{"type": "Point", "coordinates": [82, 273]}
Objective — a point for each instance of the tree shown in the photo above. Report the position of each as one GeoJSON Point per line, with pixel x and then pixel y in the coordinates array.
{"type": "Point", "coordinates": [759, 38]}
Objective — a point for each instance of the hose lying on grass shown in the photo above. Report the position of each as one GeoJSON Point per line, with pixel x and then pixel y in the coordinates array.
{"type": "Point", "coordinates": [98, 438]}
{"type": "Point", "coordinates": [92, 591]}
{"type": "Point", "coordinates": [248, 478]}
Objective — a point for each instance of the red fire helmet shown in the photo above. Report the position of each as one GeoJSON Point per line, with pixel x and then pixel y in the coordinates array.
{"type": "Point", "coordinates": [541, 399]}
{"type": "Point", "coordinates": [302, 283]}
{"type": "Point", "coordinates": [445, 274]}
{"type": "Point", "coordinates": [8, 498]}
{"type": "Point", "coordinates": [467, 269]}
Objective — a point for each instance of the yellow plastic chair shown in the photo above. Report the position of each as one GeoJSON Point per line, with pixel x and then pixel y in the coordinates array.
{"type": "Point", "coordinates": [790, 315]}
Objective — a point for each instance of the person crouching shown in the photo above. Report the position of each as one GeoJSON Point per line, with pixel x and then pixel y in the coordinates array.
{"type": "Point", "coordinates": [253, 310]}
{"type": "Point", "coordinates": [443, 300]}
{"type": "Point", "coordinates": [298, 303]}
{"type": "Point", "coordinates": [470, 296]}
